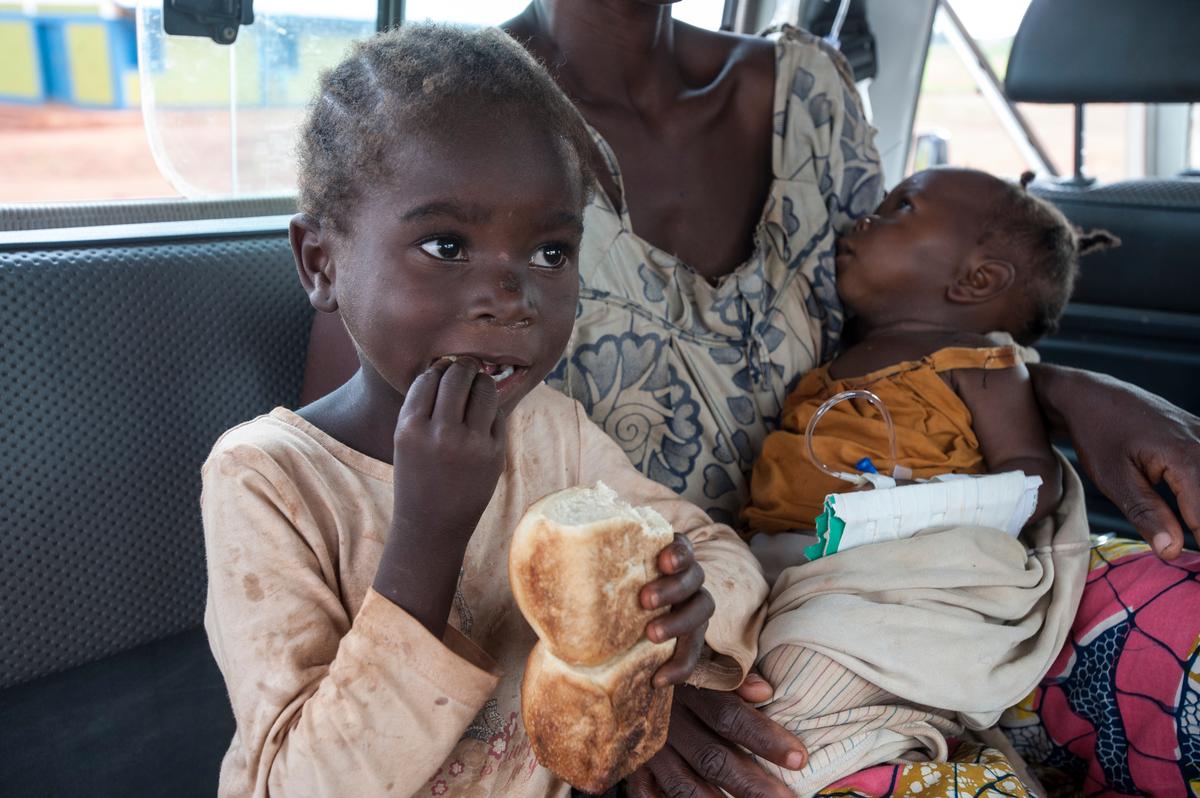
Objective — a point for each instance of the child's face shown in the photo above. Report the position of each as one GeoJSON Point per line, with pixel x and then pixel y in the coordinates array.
{"type": "Point", "coordinates": [470, 248]}
{"type": "Point", "coordinates": [902, 258]}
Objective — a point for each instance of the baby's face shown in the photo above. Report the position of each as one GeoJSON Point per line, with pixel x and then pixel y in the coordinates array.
{"type": "Point", "coordinates": [907, 253]}
{"type": "Point", "coordinates": [470, 247]}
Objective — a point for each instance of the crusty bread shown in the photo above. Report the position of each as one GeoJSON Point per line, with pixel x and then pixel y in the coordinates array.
{"type": "Point", "coordinates": [594, 726]}
{"type": "Point", "coordinates": [579, 558]}
{"type": "Point", "coordinates": [578, 561]}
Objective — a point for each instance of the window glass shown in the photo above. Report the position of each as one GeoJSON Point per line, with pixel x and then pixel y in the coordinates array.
{"type": "Point", "coordinates": [952, 108]}
{"type": "Point", "coordinates": [70, 124]}
{"type": "Point", "coordinates": [1194, 139]}
{"type": "Point", "coordinates": [222, 119]}
{"type": "Point", "coordinates": [97, 103]}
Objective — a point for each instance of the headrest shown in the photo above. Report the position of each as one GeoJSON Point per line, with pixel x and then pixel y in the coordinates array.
{"type": "Point", "coordinates": [1086, 51]}
{"type": "Point", "coordinates": [855, 40]}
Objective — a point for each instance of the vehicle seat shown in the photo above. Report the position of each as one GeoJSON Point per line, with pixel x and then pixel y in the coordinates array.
{"type": "Point", "coordinates": [1136, 312]}
{"type": "Point", "coordinates": [123, 355]}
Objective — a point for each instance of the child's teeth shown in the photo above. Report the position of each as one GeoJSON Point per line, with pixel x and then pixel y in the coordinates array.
{"type": "Point", "coordinates": [504, 373]}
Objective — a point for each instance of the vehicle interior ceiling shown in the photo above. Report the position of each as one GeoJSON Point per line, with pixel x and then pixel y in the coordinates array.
{"type": "Point", "coordinates": [136, 332]}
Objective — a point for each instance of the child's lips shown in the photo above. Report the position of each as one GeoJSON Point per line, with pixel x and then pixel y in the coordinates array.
{"type": "Point", "coordinates": [504, 370]}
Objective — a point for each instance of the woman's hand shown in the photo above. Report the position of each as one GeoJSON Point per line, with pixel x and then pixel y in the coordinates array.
{"type": "Point", "coordinates": [691, 607]}
{"type": "Point", "coordinates": [449, 452]}
{"type": "Point", "coordinates": [704, 746]}
{"type": "Point", "coordinates": [1129, 440]}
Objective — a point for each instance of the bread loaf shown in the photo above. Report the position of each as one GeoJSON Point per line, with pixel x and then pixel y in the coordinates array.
{"type": "Point", "coordinates": [594, 726]}
{"type": "Point", "coordinates": [578, 562]}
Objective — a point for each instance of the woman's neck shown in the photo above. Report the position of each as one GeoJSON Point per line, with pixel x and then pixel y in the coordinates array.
{"type": "Point", "coordinates": [626, 46]}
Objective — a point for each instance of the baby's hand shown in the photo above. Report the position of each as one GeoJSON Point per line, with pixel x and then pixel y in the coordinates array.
{"type": "Point", "coordinates": [449, 453]}
{"type": "Point", "coordinates": [691, 607]}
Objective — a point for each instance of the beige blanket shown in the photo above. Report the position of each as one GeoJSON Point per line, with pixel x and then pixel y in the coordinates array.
{"type": "Point", "coordinates": [881, 652]}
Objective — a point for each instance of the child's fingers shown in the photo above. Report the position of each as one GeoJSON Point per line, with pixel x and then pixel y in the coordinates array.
{"type": "Point", "coordinates": [676, 555]}
{"type": "Point", "coordinates": [683, 618]}
{"type": "Point", "coordinates": [499, 425]}
{"type": "Point", "coordinates": [672, 589]}
{"type": "Point", "coordinates": [683, 660]}
{"type": "Point", "coordinates": [482, 402]}
{"type": "Point", "coordinates": [454, 390]}
{"type": "Point", "coordinates": [422, 394]}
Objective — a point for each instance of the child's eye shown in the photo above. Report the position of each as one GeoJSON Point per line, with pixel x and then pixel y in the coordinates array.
{"type": "Point", "coordinates": [550, 256]}
{"type": "Point", "coordinates": [904, 204]}
{"type": "Point", "coordinates": [444, 248]}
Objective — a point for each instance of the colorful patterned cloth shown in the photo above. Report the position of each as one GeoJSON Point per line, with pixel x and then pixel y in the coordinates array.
{"type": "Point", "coordinates": [973, 771]}
{"type": "Point", "coordinates": [1120, 708]}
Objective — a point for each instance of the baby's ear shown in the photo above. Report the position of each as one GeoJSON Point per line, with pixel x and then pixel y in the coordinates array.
{"type": "Point", "coordinates": [314, 261]}
{"type": "Point", "coordinates": [982, 280]}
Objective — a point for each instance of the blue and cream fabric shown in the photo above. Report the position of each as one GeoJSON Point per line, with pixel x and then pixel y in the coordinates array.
{"type": "Point", "coordinates": [688, 376]}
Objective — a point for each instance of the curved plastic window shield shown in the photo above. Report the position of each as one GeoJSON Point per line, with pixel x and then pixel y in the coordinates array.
{"type": "Point", "coordinates": [844, 396]}
{"type": "Point", "coordinates": [222, 120]}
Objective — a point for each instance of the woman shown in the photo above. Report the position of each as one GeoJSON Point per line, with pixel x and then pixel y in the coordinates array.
{"type": "Point", "coordinates": [739, 160]}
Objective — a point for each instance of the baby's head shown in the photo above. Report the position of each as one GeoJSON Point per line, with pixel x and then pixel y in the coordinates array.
{"type": "Point", "coordinates": [962, 249]}
{"type": "Point", "coordinates": [443, 178]}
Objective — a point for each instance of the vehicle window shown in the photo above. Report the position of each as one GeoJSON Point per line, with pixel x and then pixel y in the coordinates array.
{"type": "Point", "coordinates": [97, 103]}
{"type": "Point", "coordinates": [956, 122]}
{"type": "Point", "coordinates": [1194, 139]}
{"type": "Point", "coordinates": [221, 120]}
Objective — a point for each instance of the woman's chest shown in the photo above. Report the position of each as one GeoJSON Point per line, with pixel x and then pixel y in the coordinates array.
{"type": "Point", "coordinates": [694, 187]}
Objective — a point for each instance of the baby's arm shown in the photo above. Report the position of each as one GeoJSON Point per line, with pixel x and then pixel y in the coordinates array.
{"type": "Point", "coordinates": [1009, 426]}
{"type": "Point", "coordinates": [732, 576]}
{"type": "Point", "coordinates": [326, 702]}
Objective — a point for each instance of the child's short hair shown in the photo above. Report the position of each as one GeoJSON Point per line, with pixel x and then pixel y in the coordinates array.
{"type": "Point", "coordinates": [410, 79]}
{"type": "Point", "coordinates": [1045, 247]}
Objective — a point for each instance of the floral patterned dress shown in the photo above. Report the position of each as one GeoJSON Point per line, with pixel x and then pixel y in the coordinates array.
{"type": "Point", "coordinates": [688, 376]}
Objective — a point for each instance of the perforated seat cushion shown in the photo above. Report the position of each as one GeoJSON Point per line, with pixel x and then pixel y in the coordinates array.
{"type": "Point", "coordinates": [1157, 266]}
{"type": "Point", "coordinates": [121, 364]}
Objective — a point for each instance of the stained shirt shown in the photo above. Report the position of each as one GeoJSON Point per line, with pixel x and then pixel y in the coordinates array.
{"type": "Point", "coordinates": [336, 690]}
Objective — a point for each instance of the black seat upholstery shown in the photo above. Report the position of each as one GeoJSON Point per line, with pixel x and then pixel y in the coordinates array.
{"type": "Point", "coordinates": [121, 363]}
{"type": "Point", "coordinates": [1136, 313]}
{"type": "Point", "coordinates": [1105, 51]}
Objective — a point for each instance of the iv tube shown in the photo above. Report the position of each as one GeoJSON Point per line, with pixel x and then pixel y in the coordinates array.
{"type": "Point", "coordinates": [829, 403]}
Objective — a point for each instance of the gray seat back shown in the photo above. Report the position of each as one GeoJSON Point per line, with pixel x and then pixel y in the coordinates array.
{"type": "Point", "coordinates": [124, 353]}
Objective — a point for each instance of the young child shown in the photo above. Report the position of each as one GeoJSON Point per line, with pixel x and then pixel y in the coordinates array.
{"type": "Point", "coordinates": [959, 625]}
{"type": "Point", "coordinates": [949, 256]}
{"type": "Point", "coordinates": [358, 602]}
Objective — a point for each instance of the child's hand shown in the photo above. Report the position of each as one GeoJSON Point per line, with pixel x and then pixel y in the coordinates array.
{"type": "Point", "coordinates": [691, 607]}
{"type": "Point", "coordinates": [449, 452]}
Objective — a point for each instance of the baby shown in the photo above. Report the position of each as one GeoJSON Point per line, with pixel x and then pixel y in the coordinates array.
{"type": "Point", "coordinates": [958, 628]}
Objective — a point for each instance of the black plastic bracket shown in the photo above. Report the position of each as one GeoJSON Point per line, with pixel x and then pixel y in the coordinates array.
{"type": "Point", "coordinates": [219, 20]}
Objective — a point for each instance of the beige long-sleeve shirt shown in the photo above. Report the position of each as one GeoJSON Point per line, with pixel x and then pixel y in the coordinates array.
{"type": "Point", "coordinates": [338, 692]}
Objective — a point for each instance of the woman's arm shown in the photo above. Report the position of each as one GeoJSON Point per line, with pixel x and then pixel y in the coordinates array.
{"type": "Point", "coordinates": [1128, 440]}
